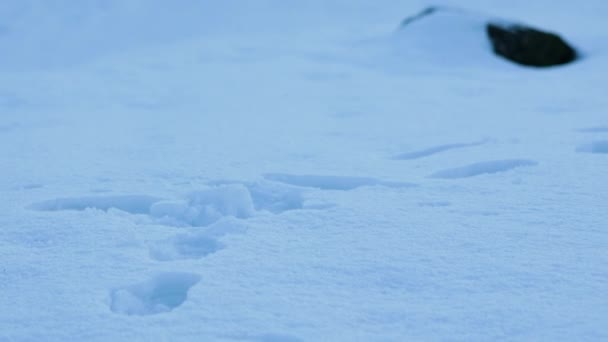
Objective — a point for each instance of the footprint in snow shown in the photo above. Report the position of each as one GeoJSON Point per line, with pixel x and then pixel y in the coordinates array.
{"type": "Point", "coordinates": [270, 196]}
{"type": "Point", "coordinates": [162, 293]}
{"type": "Point", "coordinates": [195, 245]}
{"type": "Point", "coordinates": [435, 149]}
{"type": "Point", "coordinates": [488, 167]}
{"type": "Point", "coordinates": [29, 186]}
{"type": "Point", "coordinates": [203, 208]}
{"type": "Point", "coordinates": [215, 211]}
{"type": "Point", "coordinates": [331, 182]}
{"type": "Point", "coordinates": [197, 209]}
{"type": "Point", "coordinates": [134, 204]}
{"type": "Point", "coordinates": [434, 204]}
{"type": "Point", "coordinates": [185, 246]}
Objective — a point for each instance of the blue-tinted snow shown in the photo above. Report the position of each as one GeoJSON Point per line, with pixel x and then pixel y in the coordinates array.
{"type": "Point", "coordinates": [242, 170]}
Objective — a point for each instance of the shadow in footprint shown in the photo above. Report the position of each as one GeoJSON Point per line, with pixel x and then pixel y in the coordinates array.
{"type": "Point", "coordinates": [197, 244]}
{"type": "Point", "coordinates": [331, 182]}
{"type": "Point", "coordinates": [162, 293]}
{"type": "Point", "coordinates": [488, 167]}
{"type": "Point", "coordinates": [197, 209]}
{"type": "Point", "coordinates": [434, 204]}
{"type": "Point", "coordinates": [275, 198]}
{"type": "Point", "coordinates": [434, 150]}
{"type": "Point", "coordinates": [134, 204]}
{"type": "Point", "coordinates": [185, 246]}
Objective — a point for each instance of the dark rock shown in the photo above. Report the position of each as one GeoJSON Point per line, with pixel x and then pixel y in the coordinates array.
{"type": "Point", "coordinates": [528, 46]}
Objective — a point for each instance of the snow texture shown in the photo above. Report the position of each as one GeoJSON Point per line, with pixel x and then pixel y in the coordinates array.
{"type": "Point", "coordinates": [299, 171]}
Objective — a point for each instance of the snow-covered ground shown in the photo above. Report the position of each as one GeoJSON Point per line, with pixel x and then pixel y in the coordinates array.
{"type": "Point", "coordinates": [299, 171]}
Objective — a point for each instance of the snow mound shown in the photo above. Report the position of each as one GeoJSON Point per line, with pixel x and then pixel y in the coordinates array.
{"type": "Point", "coordinates": [451, 38]}
{"type": "Point", "coordinates": [446, 37]}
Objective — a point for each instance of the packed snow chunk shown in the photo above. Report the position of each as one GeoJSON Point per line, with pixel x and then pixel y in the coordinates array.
{"type": "Point", "coordinates": [162, 293]}
{"type": "Point", "coordinates": [134, 204]}
{"type": "Point", "coordinates": [174, 213]}
{"type": "Point", "coordinates": [185, 246]}
{"type": "Point", "coordinates": [600, 146]}
{"type": "Point", "coordinates": [476, 169]}
{"type": "Point", "coordinates": [228, 200]}
{"type": "Point", "coordinates": [205, 207]}
{"type": "Point", "coordinates": [330, 182]}
{"type": "Point", "coordinates": [271, 196]}
{"type": "Point", "coordinates": [275, 198]}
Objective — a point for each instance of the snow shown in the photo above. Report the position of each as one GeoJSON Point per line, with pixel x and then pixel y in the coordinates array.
{"type": "Point", "coordinates": [435, 149]}
{"type": "Point", "coordinates": [162, 293]}
{"type": "Point", "coordinates": [326, 182]}
{"type": "Point", "coordinates": [132, 204]}
{"type": "Point", "coordinates": [476, 169]}
{"type": "Point", "coordinates": [299, 171]}
{"type": "Point", "coordinates": [598, 146]}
